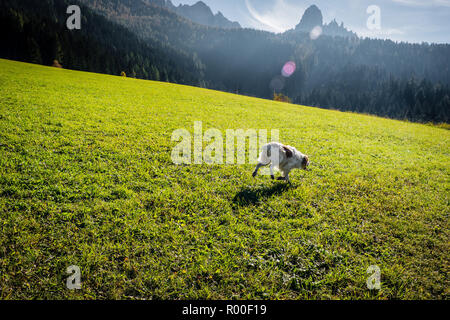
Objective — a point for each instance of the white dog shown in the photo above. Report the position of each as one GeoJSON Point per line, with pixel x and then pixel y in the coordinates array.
{"type": "Point", "coordinates": [283, 157]}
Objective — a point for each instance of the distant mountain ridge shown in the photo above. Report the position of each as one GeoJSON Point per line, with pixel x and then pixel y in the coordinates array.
{"type": "Point", "coordinates": [313, 18]}
{"type": "Point", "coordinates": [202, 14]}
{"type": "Point", "coordinates": [199, 12]}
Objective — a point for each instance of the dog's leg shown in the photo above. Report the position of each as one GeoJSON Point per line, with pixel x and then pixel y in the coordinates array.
{"type": "Point", "coordinates": [283, 176]}
{"type": "Point", "coordinates": [258, 166]}
{"type": "Point", "coordinates": [271, 172]}
{"type": "Point", "coordinates": [287, 178]}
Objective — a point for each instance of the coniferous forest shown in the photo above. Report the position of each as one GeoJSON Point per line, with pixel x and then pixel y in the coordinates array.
{"type": "Point", "coordinates": [146, 40]}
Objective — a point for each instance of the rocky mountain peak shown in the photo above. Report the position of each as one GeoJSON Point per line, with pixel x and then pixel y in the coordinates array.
{"type": "Point", "coordinates": [311, 19]}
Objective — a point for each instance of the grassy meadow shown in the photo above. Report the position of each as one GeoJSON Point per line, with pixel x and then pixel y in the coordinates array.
{"type": "Point", "coordinates": [86, 178]}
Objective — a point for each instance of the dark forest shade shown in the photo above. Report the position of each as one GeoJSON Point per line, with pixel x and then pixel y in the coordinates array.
{"type": "Point", "coordinates": [36, 32]}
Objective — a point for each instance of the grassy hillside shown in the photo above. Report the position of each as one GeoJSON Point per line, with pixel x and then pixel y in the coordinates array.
{"type": "Point", "coordinates": [86, 179]}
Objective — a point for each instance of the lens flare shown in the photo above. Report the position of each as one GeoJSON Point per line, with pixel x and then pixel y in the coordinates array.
{"type": "Point", "coordinates": [288, 69]}
{"type": "Point", "coordinates": [315, 33]}
{"type": "Point", "coordinates": [277, 84]}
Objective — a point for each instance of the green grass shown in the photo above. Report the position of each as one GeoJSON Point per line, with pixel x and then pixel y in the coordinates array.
{"type": "Point", "coordinates": [86, 179]}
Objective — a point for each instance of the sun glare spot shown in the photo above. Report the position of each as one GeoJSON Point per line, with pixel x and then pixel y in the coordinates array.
{"type": "Point", "coordinates": [315, 33]}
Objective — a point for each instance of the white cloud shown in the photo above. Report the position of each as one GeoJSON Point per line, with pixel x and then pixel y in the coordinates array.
{"type": "Point", "coordinates": [281, 16]}
{"type": "Point", "coordinates": [424, 3]}
{"type": "Point", "coordinates": [383, 33]}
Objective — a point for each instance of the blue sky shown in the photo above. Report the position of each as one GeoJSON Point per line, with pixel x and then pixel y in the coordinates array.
{"type": "Point", "coordinates": [401, 20]}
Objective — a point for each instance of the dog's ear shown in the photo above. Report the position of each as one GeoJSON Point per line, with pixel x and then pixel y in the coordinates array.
{"type": "Point", "coordinates": [288, 152]}
{"type": "Point", "coordinates": [305, 161]}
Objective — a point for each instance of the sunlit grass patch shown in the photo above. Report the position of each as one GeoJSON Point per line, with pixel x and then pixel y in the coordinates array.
{"type": "Point", "coordinates": [86, 179]}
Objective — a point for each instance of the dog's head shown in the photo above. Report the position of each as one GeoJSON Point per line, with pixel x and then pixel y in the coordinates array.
{"type": "Point", "coordinates": [305, 162]}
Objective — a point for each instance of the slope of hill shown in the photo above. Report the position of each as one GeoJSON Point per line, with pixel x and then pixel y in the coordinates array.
{"type": "Point", "coordinates": [86, 179]}
{"type": "Point", "coordinates": [398, 80]}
